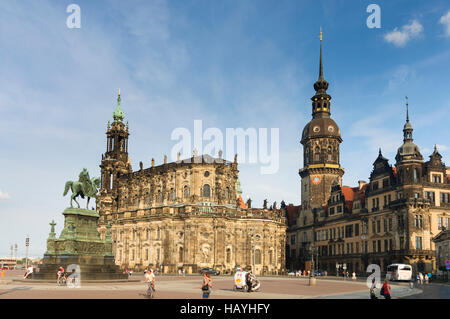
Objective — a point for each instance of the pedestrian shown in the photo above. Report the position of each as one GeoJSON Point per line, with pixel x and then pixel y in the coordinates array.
{"type": "Point", "coordinates": [206, 285]}
{"type": "Point", "coordinates": [248, 281]}
{"type": "Point", "coordinates": [373, 289]}
{"type": "Point", "coordinates": [184, 272]}
{"type": "Point", "coordinates": [325, 273]}
{"type": "Point", "coordinates": [386, 290]}
{"type": "Point", "coordinates": [426, 279]}
{"type": "Point", "coordinates": [421, 278]}
{"type": "Point", "coordinates": [3, 276]}
{"type": "Point", "coordinates": [354, 276]}
{"type": "Point", "coordinates": [418, 279]}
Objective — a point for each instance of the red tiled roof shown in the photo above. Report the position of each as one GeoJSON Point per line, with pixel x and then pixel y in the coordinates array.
{"type": "Point", "coordinates": [349, 195]}
{"type": "Point", "coordinates": [241, 202]}
{"type": "Point", "coordinates": [292, 210]}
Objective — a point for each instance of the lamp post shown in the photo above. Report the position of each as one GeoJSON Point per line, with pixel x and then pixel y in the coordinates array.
{"type": "Point", "coordinates": [27, 244]}
{"type": "Point", "coordinates": [254, 248]}
{"type": "Point", "coordinates": [312, 278]}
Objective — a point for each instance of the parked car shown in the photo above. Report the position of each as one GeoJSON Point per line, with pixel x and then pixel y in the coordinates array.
{"type": "Point", "coordinates": [210, 271]}
{"type": "Point", "coordinates": [318, 273]}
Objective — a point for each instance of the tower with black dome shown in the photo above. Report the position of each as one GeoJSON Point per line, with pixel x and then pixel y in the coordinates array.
{"type": "Point", "coordinates": [409, 162]}
{"type": "Point", "coordinates": [320, 139]}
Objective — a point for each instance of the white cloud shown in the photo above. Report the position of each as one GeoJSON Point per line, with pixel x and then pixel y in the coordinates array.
{"type": "Point", "coordinates": [445, 20]}
{"type": "Point", "coordinates": [4, 195]}
{"type": "Point", "coordinates": [408, 31]}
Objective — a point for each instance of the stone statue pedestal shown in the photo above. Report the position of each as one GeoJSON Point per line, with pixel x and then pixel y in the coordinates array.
{"type": "Point", "coordinates": [80, 244]}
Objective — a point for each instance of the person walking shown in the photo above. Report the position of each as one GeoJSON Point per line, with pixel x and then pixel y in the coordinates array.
{"type": "Point", "coordinates": [373, 289]}
{"type": "Point", "coordinates": [426, 279]}
{"type": "Point", "coordinates": [206, 285]}
{"type": "Point", "coordinates": [3, 276]}
{"type": "Point", "coordinates": [386, 290]}
{"type": "Point", "coordinates": [421, 278]}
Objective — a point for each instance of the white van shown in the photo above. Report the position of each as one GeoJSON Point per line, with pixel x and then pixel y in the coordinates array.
{"type": "Point", "coordinates": [399, 272]}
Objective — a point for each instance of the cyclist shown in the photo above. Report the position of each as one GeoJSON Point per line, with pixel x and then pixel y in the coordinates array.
{"type": "Point", "coordinates": [60, 275]}
{"type": "Point", "coordinates": [150, 279]}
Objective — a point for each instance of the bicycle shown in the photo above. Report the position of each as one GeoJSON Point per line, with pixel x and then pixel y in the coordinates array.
{"type": "Point", "coordinates": [62, 280]}
{"type": "Point", "coordinates": [150, 290]}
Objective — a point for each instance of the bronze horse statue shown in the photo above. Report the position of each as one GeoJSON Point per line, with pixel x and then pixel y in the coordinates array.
{"type": "Point", "coordinates": [84, 187]}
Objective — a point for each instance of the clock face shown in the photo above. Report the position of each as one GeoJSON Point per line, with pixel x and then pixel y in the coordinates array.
{"type": "Point", "coordinates": [316, 179]}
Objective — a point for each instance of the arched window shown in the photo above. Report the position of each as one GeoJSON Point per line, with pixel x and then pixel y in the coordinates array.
{"type": "Point", "coordinates": [228, 255]}
{"type": "Point", "coordinates": [186, 191]}
{"type": "Point", "coordinates": [206, 190]}
{"type": "Point", "coordinates": [227, 193]}
{"type": "Point", "coordinates": [172, 194]}
{"type": "Point", "coordinates": [329, 153]}
{"type": "Point", "coordinates": [415, 175]}
{"type": "Point", "coordinates": [307, 155]}
{"type": "Point", "coordinates": [317, 154]}
{"type": "Point", "coordinates": [257, 256]}
{"type": "Point", "coordinates": [271, 257]}
{"type": "Point", "coordinates": [180, 254]}
{"type": "Point", "coordinates": [160, 196]}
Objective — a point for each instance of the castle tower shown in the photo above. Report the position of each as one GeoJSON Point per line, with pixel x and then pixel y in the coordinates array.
{"type": "Point", "coordinates": [115, 161]}
{"type": "Point", "coordinates": [409, 161]}
{"type": "Point", "coordinates": [320, 139]}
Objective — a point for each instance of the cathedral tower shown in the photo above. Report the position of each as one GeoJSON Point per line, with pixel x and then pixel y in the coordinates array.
{"type": "Point", "coordinates": [115, 161]}
{"type": "Point", "coordinates": [320, 139]}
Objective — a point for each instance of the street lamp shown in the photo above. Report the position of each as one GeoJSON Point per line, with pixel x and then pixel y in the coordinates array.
{"type": "Point", "coordinates": [312, 278]}
{"type": "Point", "coordinates": [27, 244]}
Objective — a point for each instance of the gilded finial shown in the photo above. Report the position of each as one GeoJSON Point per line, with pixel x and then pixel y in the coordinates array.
{"type": "Point", "coordinates": [320, 34]}
{"type": "Point", "coordinates": [119, 91]}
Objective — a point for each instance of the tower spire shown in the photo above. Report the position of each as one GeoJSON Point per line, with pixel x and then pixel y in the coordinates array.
{"type": "Point", "coordinates": [320, 63]}
{"type": "Point", "coordinates": [407, 113]}
{"type": "Point", "coordinates": [118, 114]}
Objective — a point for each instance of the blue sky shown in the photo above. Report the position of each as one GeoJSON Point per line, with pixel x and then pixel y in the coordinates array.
{"type": "Point", "coordinates": [229, 63]}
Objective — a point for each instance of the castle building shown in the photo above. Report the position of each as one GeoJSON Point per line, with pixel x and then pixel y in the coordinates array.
{"type": "Point", "coordinates": [391, 219]}
{"type": "Point", "coordinates": [187, 214]}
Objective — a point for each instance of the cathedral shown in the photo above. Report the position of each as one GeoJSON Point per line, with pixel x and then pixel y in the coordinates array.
{"type": "Point", "coordinates": [393, 218]}
{"type": "Point", "coordinates": [184, 215]}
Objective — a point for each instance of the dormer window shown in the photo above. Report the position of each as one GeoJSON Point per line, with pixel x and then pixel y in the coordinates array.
{"type": "Point", "coordinates": [436, 178]}
{"type": "Point", "coordinates": [375, 185]}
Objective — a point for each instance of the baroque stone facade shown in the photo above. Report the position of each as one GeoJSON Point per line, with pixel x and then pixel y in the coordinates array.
{"type": "Point", "coordinates": [391, 219]}
{"type": "Point", "coordinates": [186, 214]}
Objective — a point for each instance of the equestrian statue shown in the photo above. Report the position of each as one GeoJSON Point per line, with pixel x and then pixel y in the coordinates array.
{"type": "Point", "coordinates": [84, 187]}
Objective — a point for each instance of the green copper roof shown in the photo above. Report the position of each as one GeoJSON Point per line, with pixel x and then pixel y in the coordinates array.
{"type": "Point", "coordinates": [118, 114]}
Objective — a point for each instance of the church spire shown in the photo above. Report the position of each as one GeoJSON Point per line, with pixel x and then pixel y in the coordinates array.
{"type": "Point", "coordinates": [407, 129]}
{"type": "Point", "coordinates": [407, 113]}
{"type": "Point", "coordinates": [321, 100]}
{"type": "Point", "coordinates": [320, 63]}
{"type": "Point", "coordinates": [118, 114]}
